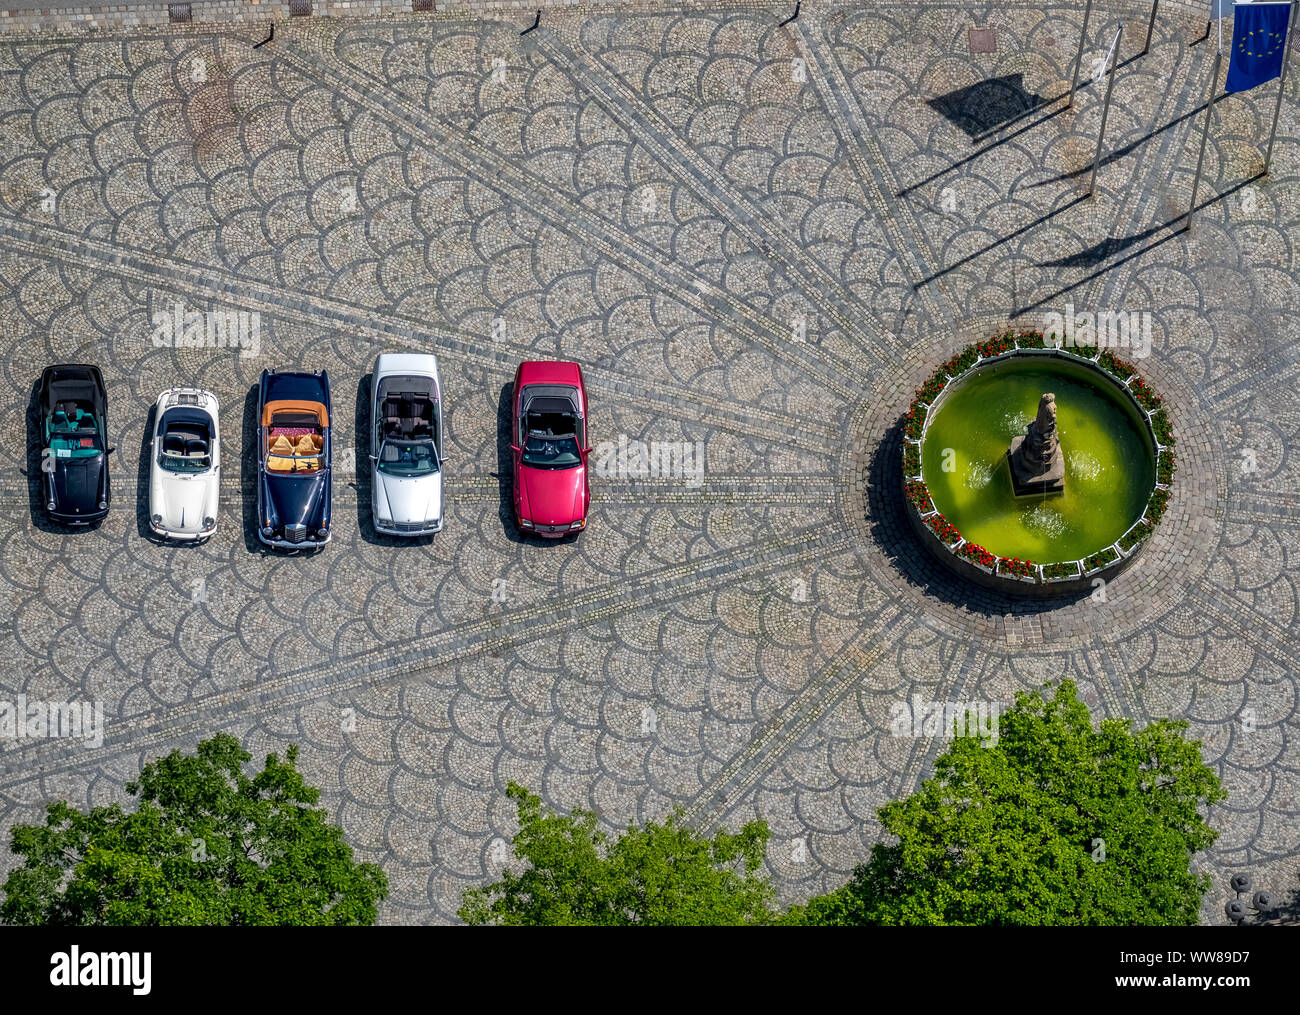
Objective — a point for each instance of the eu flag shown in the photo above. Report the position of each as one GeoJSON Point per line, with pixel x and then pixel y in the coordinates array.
{"type": "Point", "coordinates": [1258, 43]}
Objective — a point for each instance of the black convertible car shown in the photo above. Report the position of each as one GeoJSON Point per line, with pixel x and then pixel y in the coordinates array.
{"type": "Point", "coordinates": [74, 460]}
{"type": "Point", "coordinates": [294, 494]}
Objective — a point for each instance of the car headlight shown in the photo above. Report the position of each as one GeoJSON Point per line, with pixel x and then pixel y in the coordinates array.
{"type": "Point", "coordinates": [209, 523]}
{"type": "Point", "coordinates": [525, 523]}
{"type": "Point", "coordinates": [103, 505]}
{"type": "Point", "coordinates": [51, 505]}
{"type": "Point", "coordinates": [157, 520]}
{"type": "Point", "coordinates": [578, 524]}
{"type": "Point", "coordinates": [323, 533]}
{"type": "Point", "coordinates": [268, 531]}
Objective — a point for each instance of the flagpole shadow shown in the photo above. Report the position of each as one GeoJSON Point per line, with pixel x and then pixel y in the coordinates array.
{"type": "Point", "coordinates": [1044, 104]}
{"type": "Point", "coordinates": [1187, 219]}
{"type": "Point", "coordinates": [1005, 239]}
{"type": "Point", "coordinates": [1120, 153]}
{"type": "Point", "coordinates": [1100, 251]}
{"type": "Point", "coordinates": [983, 151]}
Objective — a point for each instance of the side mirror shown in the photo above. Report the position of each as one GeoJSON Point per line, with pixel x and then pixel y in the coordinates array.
{"type": "Point", "coordinates": [110, 451]}
{"type": "Point", "coordinates": [586, 451]}
{"type": "Point", "coordinates": [514, 448]}
{"type": "Point", "coordinates": [374, 458]}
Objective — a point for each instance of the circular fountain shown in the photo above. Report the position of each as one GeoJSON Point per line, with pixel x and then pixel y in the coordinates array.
{"type": "Point", "coordinates": [1035, 469]}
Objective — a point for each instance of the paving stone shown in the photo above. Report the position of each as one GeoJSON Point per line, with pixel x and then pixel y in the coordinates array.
{"type": "Point", "coordinates": [756, 237]}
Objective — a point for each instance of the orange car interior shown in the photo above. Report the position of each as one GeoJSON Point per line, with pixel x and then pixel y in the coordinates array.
{"type": "Point", "coordinates": [294, 435]}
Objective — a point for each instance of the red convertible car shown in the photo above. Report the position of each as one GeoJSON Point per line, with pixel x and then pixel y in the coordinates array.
{"type": "Point", "coordinates": [550, 443]}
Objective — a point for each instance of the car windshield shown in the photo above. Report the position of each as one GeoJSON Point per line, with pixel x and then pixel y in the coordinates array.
{"type": "Point", "coordinates": [408, 458]}
{"type": "Point", "coordinates": [173, 462]}
{"type": "Point", "coordinates": [546, 451]}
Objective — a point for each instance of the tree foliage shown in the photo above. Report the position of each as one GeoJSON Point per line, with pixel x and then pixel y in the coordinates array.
{"type": "Point", "coordinates": [206, 845]}
{"type": "Point", "coordinates": [660, 875]}
{"type": "Point", "coordinates": [1056, 824]}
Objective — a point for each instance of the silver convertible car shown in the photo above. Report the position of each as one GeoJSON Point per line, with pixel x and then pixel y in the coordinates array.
{"type": "Point", "coordinates": [406, 445]}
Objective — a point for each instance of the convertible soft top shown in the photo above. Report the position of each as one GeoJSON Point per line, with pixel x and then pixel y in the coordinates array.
{"type": "Point", "coordinates": [184, 414]}
{"type": "Point", "coordinates": [74, 383]}
{"type": "Point", "coordinates": [397, 385]}
{"type": "Point", "coordinates": [295, 387]}
{"type": "Point", "coordinates": [291, 407]}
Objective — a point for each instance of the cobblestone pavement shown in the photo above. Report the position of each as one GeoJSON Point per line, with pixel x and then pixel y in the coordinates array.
{"type": "Point", "coordinates": [754, 236]}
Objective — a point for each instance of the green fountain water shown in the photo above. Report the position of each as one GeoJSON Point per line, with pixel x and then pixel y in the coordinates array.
{"type": "Point", "coordinates": [1109, 461]}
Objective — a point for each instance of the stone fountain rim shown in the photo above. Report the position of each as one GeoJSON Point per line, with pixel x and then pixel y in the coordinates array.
{"type": "Point", "coordinates": [1035, 584]}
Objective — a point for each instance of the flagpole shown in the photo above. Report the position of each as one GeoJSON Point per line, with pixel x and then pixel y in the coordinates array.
{"type": "Point", "coordinates": [1155, 6]}
{"type": "Point", "coordinates": [1281, 84]}
{"type": "Point", "coordinates": [1105, 109]}
{"type": "Point", "coordinates": [1083, 35]}
{"type": "Point", "coordinates": [1200, 161]}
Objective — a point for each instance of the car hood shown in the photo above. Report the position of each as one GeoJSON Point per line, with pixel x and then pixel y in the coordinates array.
{"type": "Point", "coordinates": [181, 501]}
{"type": "Point", "coordinates": [408, 498]}
{"type": "Point", "coordinates": [552, 496]}
{"type": "Point", "coordinates": [76, 483]}
{"type": "Point", "coordinates": [297, 500]}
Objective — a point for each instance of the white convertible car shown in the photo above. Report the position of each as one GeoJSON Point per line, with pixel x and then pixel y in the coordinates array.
{"type": "Point", "coordinates": [185, 465]}
{"type": "Point", "coordinates": [406, 445]}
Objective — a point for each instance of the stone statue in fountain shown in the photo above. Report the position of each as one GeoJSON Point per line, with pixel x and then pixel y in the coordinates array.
{"type": "Point", "coordinates": [1037, 462]}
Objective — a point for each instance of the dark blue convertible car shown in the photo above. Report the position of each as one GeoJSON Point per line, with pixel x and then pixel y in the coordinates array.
{"type": "Point", "coordinates": [74, 461]}
{"type": "Point", "coordinates": [294, 490]}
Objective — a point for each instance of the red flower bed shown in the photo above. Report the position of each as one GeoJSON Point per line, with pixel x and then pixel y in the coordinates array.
{"type": "Point", "coordinates": [1147, 398]}
{"type": "Point", "coordinates": [918, 495]}
{"type": "Point", "coordinates": [1120, 368]}
{"type": "Point", "coordinates": [1101, 559]}
{"type": "Point", "coordinates": [995, 346]}
{"type": "Point", "coordinates": [914, 421]}
{"type": "Point", "coordinates": [977, 554]}
{"type": "Point", "coordinates": [929, 391]}
{"type": "Point", "coordinates": [1016, 566]}
{"type": "Point", "coordinates": [1157, 504]}
{"type": "Point", "coordinates": [943, 528]}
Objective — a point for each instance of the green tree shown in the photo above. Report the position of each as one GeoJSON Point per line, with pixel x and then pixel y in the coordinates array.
{"type": "Point", "coordinates": [1057, 824]}
{"type": "Point", "coordinates": [660, 875]}
{"type": "Point", "coordinates": [207, 845]}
